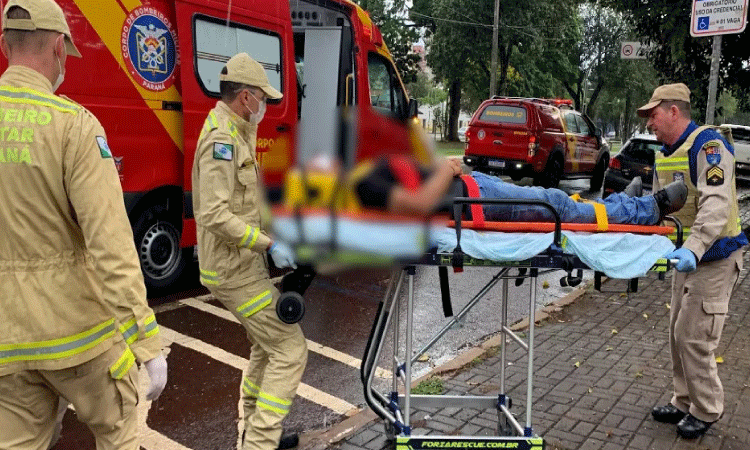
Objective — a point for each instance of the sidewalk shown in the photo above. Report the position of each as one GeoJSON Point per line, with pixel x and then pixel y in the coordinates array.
{"type": "Point", "coordinates": [601, 364]}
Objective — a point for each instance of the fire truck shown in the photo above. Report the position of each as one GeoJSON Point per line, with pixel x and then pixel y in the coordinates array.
{"type": "Point", "coordinates": [150, 74]}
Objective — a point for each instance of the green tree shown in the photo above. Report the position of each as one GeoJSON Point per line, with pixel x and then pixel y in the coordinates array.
{"type": "Point", "coordinates": [665, 24]}
{"type": "Point", "coordinates": [459, 37]}
{"type": "Point", "coordinates": [390, 17]}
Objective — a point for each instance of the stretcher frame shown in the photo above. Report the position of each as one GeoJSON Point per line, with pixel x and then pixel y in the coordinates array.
{"type": "Point", "coordinates": [395, 408]}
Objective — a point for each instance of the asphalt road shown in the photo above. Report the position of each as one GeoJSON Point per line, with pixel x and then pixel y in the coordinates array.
{"type": "Point", "coordinates": [207, 350]}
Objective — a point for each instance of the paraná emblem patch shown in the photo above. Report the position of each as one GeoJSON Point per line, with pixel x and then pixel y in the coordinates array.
{"type": "Point", "coordinates": [103, 147]}
{"type": "Point", "coordinates": [223, 151]}
{"type": "Point", "coordinates": [714, 176]}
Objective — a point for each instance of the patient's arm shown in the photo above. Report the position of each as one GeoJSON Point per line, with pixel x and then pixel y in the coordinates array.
{"type": "Point", "coordinates": [429, 195]}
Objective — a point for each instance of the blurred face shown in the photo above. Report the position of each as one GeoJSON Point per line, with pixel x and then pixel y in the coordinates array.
{"type": "Point", "coordinates": [661, 122]}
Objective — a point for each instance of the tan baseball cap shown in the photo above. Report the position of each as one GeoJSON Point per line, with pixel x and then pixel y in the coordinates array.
{"type": "Point", "coordinates": [669, 92]}
{"type": "Point", "coordinates": [241, 68]}
{"type": "Point", "coordinates": [45, 15]}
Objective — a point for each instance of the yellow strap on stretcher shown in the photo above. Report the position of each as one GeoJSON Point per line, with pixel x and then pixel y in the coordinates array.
{"type": "Point", "coordinates": [602, 223]}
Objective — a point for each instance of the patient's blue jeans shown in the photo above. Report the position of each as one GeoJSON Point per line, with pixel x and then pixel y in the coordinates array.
{"type": "Point", "coordinates": [620, 207]}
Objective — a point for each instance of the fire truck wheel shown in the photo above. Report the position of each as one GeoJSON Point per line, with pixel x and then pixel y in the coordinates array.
{"type": "Point", "coordinates": [157, 241]}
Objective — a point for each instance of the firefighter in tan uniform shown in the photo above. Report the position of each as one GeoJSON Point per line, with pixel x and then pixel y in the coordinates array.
{"type": "Point", "coordinates": [709, 261]}
{"type": "Point", "coordinates": [74, 313]}
{"type": "Point", "coordinates": [231, 216]}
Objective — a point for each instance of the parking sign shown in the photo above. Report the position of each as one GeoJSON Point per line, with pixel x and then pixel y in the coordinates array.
{"type": "Point", "coordinates": [713, 17]}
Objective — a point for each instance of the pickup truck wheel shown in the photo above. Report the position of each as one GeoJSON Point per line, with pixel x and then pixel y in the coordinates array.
{"type": "Point", "coordinates": [157, 242]}
{"type": "Point", "coordinates": [597, 178]}
{"type": "Point", "coordinates": [550, 178]}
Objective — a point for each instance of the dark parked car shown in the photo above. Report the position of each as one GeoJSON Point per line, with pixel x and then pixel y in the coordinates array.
{"type": "Point", "coordinates": [636, 158]}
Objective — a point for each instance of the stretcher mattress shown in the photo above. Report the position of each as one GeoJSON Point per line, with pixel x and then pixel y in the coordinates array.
{"type": "Point", "coordinates": [618, 255]}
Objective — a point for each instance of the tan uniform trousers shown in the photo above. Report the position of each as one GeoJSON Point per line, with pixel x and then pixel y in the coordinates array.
{"type": "Point", "coordinates": [700, 301]}
{"type": "Point", "coordinates": [29, 401]}
{"type": "Point", "coordinates": [278, 355]}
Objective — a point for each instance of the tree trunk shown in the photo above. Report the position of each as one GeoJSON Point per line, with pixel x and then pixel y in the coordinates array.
{"type": "Point", "coordinates": [455, 109]}
{"type": "Point", "coordinates": [627, 127]}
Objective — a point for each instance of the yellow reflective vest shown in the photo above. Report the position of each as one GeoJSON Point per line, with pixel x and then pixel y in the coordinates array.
{"type": "Point", "coordinates": [70, 282]}
{"type": "Point", "coordinates": [710, 212]}
{"type": "Point", "coordinates": [231, 213]}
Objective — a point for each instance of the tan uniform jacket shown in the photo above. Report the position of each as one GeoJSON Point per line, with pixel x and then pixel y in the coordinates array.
{"type": "Point", "coordinates": [229, 203]}
{"type": "Point", "coordinates": [71, 284]}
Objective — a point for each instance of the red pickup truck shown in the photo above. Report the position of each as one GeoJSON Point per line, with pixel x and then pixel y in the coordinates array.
{"type": "Point", "coordinates": [541, 138]}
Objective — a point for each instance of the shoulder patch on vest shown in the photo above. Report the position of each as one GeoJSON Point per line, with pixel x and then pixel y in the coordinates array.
{"type": "Point", "coordinates": [103, 147]}
{"type": "Point", "coordinates": [714, 176]}
{"type": "Point", "coordinates": [713, 152]}
{"type": "Point", "coordinates": [223, 151]}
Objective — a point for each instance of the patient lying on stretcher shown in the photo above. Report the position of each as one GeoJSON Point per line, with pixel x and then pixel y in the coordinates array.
{"type": "Point", "coordinates": [399, 185]}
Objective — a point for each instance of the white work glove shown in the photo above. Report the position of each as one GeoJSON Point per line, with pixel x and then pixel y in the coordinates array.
{"type": "Point", "coordinates": [283, 255]}
{"type": "Point", "coordinates": [157, 372]}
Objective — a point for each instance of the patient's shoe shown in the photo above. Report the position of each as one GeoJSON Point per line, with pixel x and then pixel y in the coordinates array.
{"type": "Point", "coordinates": [671, 198]}
{"type": "Point", "coordinates": [635, 188]}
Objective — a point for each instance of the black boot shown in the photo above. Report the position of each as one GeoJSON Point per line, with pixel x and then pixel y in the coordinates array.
{"type": "Point", "coordinates": [671, 198]}
{"type": "Point", "coordinates": [290, 440]}
{"type": "Point", "coordinates": [634, 188]}
{"type": "Point", "coordinates": [667, 413]}
{"type": "Point", "coordinates": [690, 427]}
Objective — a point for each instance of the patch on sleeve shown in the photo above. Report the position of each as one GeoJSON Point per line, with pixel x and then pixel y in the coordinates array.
{"type": "Point", "coordinates": [714, 176]}
{"type": "Point", "coordinates": [223, 151]}
{"type": "Point", "coordinates": [713, 152]}
{"type": "Point", "coordinates": [103, 147]}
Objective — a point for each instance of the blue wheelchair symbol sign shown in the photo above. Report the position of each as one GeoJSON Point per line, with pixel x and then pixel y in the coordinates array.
{"type": "Point", "coordinates": [703, 23]}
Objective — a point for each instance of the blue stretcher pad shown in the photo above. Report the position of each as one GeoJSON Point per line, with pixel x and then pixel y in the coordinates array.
{"type": "Point", "coordinates": [617, 255]}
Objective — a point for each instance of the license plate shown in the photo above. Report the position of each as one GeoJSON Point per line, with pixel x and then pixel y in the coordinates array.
{"type": "Point", "coordinates": [497, 164]}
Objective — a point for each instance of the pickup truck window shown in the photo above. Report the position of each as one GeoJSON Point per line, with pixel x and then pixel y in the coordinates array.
{"type": "Point", "coordinates": [503, 114]}
{"type": "Point", "coordinates": [216, 42]}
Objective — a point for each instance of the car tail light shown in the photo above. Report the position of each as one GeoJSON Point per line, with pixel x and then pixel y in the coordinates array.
{"type": "Point", "coordinates": [532, 146]}
{"type": "Point", "coordinates": [614, 163]}
{"type": "Point", "coordinates": [467, 135]}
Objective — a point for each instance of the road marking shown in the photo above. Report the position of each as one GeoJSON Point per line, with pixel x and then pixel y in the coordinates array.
{"type": "Point", "coordinates": [305, 391]}
{"type": "Point", "coordinates": [320, 349]}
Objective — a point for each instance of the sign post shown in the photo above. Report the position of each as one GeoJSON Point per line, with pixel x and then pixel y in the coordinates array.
{"type": "Point", "coordinates": [633, 50]}
{"type": "Point", "coordinates": [715, 18]}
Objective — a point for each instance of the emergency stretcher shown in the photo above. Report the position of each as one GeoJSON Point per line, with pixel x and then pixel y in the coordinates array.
{"type": "Point", "coordinates": [322, 236]}
{"type": "Point", "coordinates": [324, 222]}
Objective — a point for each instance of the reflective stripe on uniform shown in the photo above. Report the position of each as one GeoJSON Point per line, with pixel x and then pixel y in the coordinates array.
{"type": "Point", "coordinates": [150, 327]}
{"type": "Point", "coordinates": [672, 164]}
{"type": "Point", "coordinates": [264, 400]}
{"type": "Point", "coordinates": [272, 403]}
{"type": "Point", "coordinates": [209, 277]}
{"type": "Point", "coordinates": [255, 304]}
{"type": "Point", "coordinates": [31, 96]}
{"type": "Point", "coordinates": [250, 388]}
{"type": "Point", "coordinates": [129, 329]}
{"type": "Point", "coordinates": [255, 232]}
{"type": "Point", "coordinates": [123, 364]}
{"type": "Point", "coordinates": [57, 348]}
{"type": "Point", "coordinates": [212, 120]}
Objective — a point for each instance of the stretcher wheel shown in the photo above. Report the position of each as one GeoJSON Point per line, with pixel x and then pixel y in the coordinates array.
{"type": "Point", "coordinates": [291, 307]}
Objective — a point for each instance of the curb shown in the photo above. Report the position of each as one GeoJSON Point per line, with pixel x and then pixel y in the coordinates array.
{"type": "Point", "coordinates": [321, 440]}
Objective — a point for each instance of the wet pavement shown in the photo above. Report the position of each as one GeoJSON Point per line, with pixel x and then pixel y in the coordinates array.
{"type": "Point", "coordinates": [208, 351]}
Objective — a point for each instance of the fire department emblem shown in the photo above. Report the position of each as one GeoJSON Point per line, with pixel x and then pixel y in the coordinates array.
{"type": "Point", "coordinates": [149, 47]}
